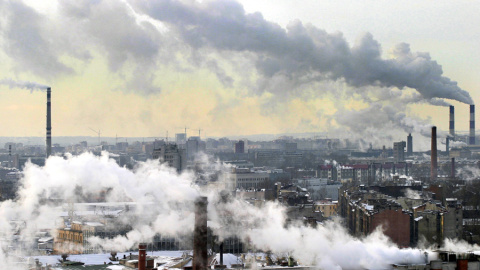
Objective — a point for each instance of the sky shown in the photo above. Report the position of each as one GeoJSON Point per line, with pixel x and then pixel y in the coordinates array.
{"type": "Point", "coordinates": [363, 69]}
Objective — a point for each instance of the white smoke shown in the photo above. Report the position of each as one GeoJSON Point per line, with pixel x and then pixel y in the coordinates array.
{"type": "Point", "coordinates": [468, 173]}
{"type": "Point", "coordinates": [23, 84]}
{"type": "Point", "coordinates": [164, 201]}
{"type": "Point", "coordinates": [412, 194]}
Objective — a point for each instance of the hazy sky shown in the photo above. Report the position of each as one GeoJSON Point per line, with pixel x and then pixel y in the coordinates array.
{"type": "Point", "coordinates": [375, 69]}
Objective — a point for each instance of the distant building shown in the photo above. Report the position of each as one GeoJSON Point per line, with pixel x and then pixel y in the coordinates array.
{"type": "Point", "coordinates": [290, 147]}
{"type": "Point", "coordinates": [240, 147]}
{"type": "Point", "coordinates": [171, 154]}
{"type": "Point", "coordinates": [409, 145]}
{"type": "Point", "coordinates": [247, 179]}
{"type": "Point", "coordinates": [328, 208]}
{"type": "Point", "coordinates": [180, 138]}
{"type": "Point", "coordinates": [399, 151]}
{"type": "Point", "coordinates": [195, 146]}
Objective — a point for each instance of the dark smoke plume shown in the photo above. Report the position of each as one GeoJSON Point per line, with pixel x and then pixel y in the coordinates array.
{"type": "Point", "coordinates": [301, 51]}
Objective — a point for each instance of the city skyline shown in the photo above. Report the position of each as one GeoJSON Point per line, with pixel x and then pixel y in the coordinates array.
{"type": "Point", "coordinates": [124, 67]}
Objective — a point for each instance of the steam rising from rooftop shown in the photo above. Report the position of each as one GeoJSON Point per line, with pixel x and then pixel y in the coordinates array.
{"type": "Point", "coordinates": [164, 204]}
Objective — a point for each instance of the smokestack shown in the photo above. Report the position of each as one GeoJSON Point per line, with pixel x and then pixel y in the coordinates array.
{"type": "Point", "coordinates": [221, 253]}
{"type": "Point", "coordinates": [10, 155]}
{"type": "Point", "coordinates": [142, 256]}
{"type": "Point", "coordinates": [200, 256]}
{"type": "Point", "coordinates": [409, 144]}
{"type": "Point", "coordinates": [452, 173]}
{"type": "Point", "coordinates": [49, 122]}
{"type": "Point", "coordinates": [447, 146]}
{"type": "Point", "coordinates": [472, 125]}
{"type": "Point", "coordinates": [433, 155]}
{"type": "Point", "coordinates": [452, 121]}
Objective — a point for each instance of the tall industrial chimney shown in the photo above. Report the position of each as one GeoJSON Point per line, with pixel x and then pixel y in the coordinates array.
{"type": "Point", "coordinates": [142, 256]}
{"type": "Point", "coordinates": [452, 169]}
{"type": "Point", "coordinates": [472, 125]}
{"type": "Point", "coordinates": [433, 155]}
{"type": "Point", "coordinates": [447, 146]}
{"type": "Point", "coordinates": [452, 121]}
{"type": "Point", "coordinates": [200, 255]}
{"type": "Point", "coordinates": [409, 144]}
{"type": "Point", "coordinates": [49, 122]}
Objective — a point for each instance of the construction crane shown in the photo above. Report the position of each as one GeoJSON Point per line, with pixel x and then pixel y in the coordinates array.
{"type": "Point", "coordinates": [98, 132]}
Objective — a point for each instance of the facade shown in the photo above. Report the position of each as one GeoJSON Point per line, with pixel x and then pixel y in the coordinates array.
{"type": "Point", "coordinates": [247, 179]}
{"type": "Point", "coordinates": [399, 151]}
{"type": "Point", "coordinates": [172, 155]}
{"type": "Point", "coordinates": [194, 146]}
{"type": "Point", "coordinates": [328, 208]}
{"type": "Point", "coordinates": [240, 147]}
{"type": "Point", "coordinates": [406, 221]}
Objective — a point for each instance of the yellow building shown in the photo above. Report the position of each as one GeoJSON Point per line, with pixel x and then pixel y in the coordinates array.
{"type": "Point", "coordinates": [327, 208]}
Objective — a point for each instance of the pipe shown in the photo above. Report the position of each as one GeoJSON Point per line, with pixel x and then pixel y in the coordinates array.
{"type": "Point", "coordinates": [49, 122]}
{"type": "Point", "coordinates": [142, 256]}
{"type": "Point", "coordinates": [447, 146]}
{"type": "Point", "coordinates": [472, 125]}
{"type": "Point", "coordinates": [452, 121]}
{"type": "Point", "coordinates": [200, 256]}
{"type": "Point", "coordinates": [433, 155]}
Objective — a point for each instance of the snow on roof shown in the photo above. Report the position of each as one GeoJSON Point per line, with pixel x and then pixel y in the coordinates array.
{"type": "Point", "coordinates": [98, 259]}
{"type": "Point", "coordinates": [368, 206]}
{"type": "Point", "coordinates": [228, 259]}
{"type": "Point", "coordinates": [45, 239]}
{"type": "Point", "coordinates": [94, 224]}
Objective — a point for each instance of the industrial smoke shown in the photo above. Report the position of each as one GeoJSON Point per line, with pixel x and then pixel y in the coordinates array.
{"type": "Point", "coordinates": [23, 84]}
{"type": "Point", "coordinates": [165, 205]}
{"type": "Point", "coordinates": [276, 64]}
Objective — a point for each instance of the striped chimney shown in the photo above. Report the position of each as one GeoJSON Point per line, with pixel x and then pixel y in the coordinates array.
{"type": "Point", "coordinates": [472, 125]}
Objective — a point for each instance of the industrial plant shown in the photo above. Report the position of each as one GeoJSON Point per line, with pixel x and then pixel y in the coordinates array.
{"type": "Point", "coordinates": [418, 201]}
{"type": "Point", "coordinates": [194, 135]}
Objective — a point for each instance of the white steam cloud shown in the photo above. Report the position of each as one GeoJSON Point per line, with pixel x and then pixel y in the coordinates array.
{"type": "Point", "coordinates": [164, 204]}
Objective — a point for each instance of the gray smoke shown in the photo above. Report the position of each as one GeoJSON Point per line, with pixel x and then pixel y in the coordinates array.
{"type": "Point", "coordinates": [23, 84]}
{"type": "Point", "coordinates": [301, 51]}
{"type": "Point", "coordinates": [140, 38]}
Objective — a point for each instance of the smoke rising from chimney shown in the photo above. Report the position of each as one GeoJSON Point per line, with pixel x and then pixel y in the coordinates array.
{"type": "Point", "coordinates": [165, 205]}
{"type": "Point", "coordinates": [23, 84]}
{"type": "Point", "coordinates": [302, 52]}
